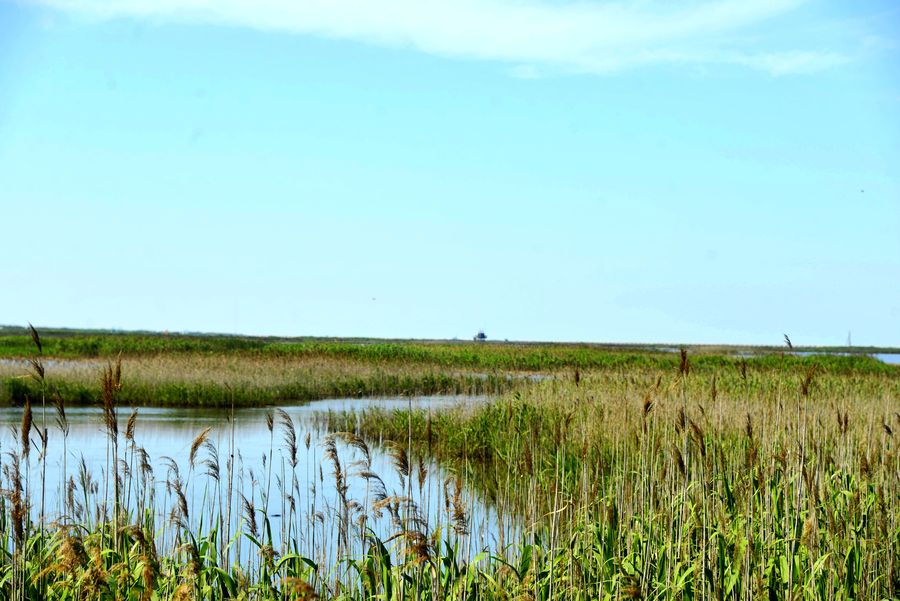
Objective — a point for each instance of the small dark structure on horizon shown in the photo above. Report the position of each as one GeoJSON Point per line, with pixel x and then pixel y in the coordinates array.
{"type": "Point", "coordinates": [480, 336]}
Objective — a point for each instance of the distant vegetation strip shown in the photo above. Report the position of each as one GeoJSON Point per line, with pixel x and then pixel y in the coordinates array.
{"type": "Point", "coordinates": [531, 357]}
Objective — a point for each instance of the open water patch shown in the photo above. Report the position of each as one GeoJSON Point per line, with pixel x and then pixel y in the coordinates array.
{"type": "Point", "coordinates": [306, 488]}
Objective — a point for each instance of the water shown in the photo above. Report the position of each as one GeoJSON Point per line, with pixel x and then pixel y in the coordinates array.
{"type": "Point", "coordinates": [262, 468]}
{"type": "Point", "coordinates": [19, 366]}
{"type": "Point", "coordinates": [891, 358]}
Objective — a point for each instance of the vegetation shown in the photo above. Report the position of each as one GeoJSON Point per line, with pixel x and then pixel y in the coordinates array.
{"type": "Point", "coordinates": [679, 485]}
{"type": "Point", "coordinates": [198, 370]}
{"type": "Point", "coordinates": [220, 380]}
{"type": "Point", "coordinates": [730, 481]}
{"type": "Point", "coordinates": [538, 357]}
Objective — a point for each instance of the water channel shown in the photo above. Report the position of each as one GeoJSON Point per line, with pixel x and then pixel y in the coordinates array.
{"type": "Point", "coordinates": [303, 502]}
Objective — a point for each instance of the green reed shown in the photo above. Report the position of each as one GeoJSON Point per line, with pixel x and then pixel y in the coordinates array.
{"type": "Point", "coordinates": [733, 484]}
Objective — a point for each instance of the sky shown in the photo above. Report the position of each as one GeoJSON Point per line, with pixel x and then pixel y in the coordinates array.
{"type": "Point", "coordinates": [692, 171]}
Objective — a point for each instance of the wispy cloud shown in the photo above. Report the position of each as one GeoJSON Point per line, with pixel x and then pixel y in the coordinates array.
{"type": "Point", "coordinates": [783, 63]}
{"type": "Point", "coordinates": [531, 35]}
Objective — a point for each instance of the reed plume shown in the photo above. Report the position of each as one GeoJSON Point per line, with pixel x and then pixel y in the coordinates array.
{"type": "Point", "coordinates": [400, 460]}
{"type": "Point", "coordinates": [130, 425]}
{"type": "Point", "coordinates": [177, 486]}
{"type": "Point", "coordinates": [684, 367]}
{"type": "Point", "coordinates": [110, 385]}
{"type": "Point", "coordinates": [423, 474]}
{"type": "Point", "coordinates": [250, 515]}
{"type": "Point", "coordinates": [62, 421]}
{"type": "Point", "coordinates": [331, 454]}
{"type": "Point", "coordinates": [198, 442]}
{"type": "Point", "coordinates": [36, 338]}
{"type": "Point", "coordinates": [459, 517]}
{"type": "Point", "coordinates": [25, 430]}
{"type": "Point", "coordinates": [355, 441]}
{"type": "Point", "coordinates": [37, 369]}
{"type": "Point", "coordinates": [211, 463]}
{"type": "Point", "coordinates": [18, 512]}
{"type": "Point", "coordinates": [290, 436]}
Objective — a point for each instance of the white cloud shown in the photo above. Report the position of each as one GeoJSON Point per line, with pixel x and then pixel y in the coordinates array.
{"type": "Point", "coordinates": [583, 36]}
{"type": "Point", "coordinates": [784, 63]}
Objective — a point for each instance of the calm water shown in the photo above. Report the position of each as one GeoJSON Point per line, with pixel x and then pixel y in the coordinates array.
{"type": "Point", "coordinates": [889, 358]}
{"type": "Point", "coordinates": [892, 358]}
{"type": "Point", "coordinates": [261, 468]}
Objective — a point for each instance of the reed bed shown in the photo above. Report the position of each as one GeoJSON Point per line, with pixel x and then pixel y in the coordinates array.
{"type": "Point", "coordinates": [220, 380]}
{"type": "Point", "coordinates": [745, 481]}
{"type": "Point", "coordinates": [730, 484]}
{"type": "Point", "coordinates": [483, 356]}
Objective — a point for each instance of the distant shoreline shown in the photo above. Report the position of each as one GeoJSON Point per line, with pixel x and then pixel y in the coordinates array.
{"type": "Point", "coordinates": [650, 347]}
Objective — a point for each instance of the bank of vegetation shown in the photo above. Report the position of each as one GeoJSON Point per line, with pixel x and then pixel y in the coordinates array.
{"type": "Point", "coordinates": [220, 371]}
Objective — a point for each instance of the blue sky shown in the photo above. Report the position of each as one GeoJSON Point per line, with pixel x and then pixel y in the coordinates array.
{"type": "Point", "coordinates": [698, 171]}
